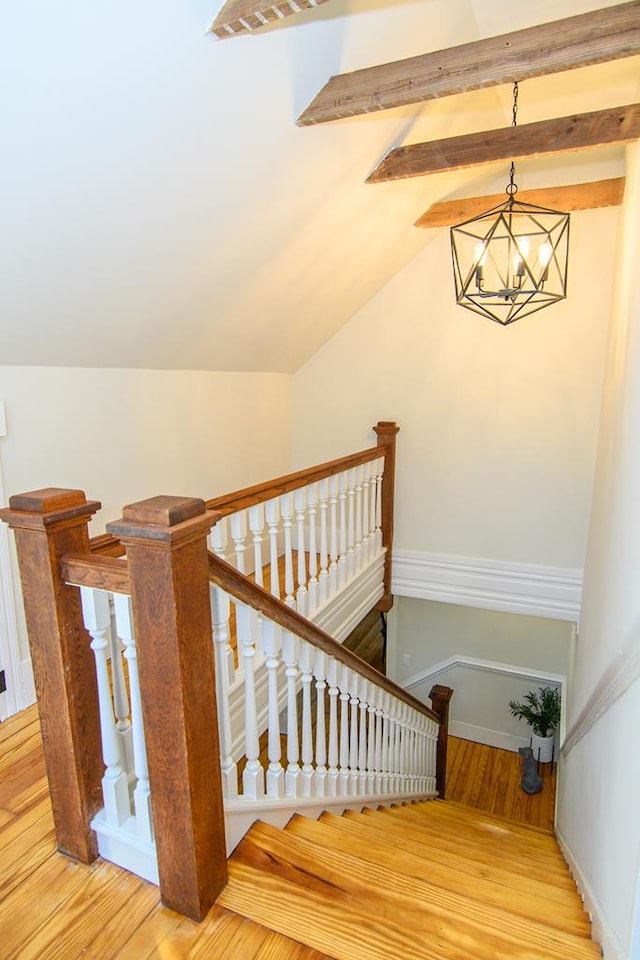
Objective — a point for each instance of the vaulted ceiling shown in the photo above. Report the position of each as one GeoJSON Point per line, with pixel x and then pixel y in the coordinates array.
{"type": "Point", "coordinates": [162, 209]}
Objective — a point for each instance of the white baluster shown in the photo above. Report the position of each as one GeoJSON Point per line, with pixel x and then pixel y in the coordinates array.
{"type": "Point", "coordinates": [334, 756]}
{"type": "Point", "coordinates": [286, 512]}
{"type": "Point", "coordinates": [272, 513]}
{"type": "Point", "coordinates": [342, 505]}
{"type": "Point", "coordinates": [378, 526]}
{"type": "Point", "coordinates": [344, 784]}
{"type": "Point", "coordinates": [373, 500]}
{"type": "Point", "coordinates": [218, 538]}
{"type": "Point", "coordinates": [404, 749]}
{"type": "Point", "coordinates": [323, 495]}
{"type": "Point", "coordinates": [358, 535]}
{"type": "Point", "coordinates": [362, 738]}
{"type": "Point", "coordinates": [306, 670]}
{"type": "Point", "coordinates": [321, 736]}
{"type": "Point", "coordinates": [366, 515]}
{"type": "Point", "coordinates": [238, 524]}
{"type": "Point", "coordinates": [351, 523]}
{"type": "Point", "coordinates": [256, 525]}
{"type": "Point", "coordinates": [225, 673]}
{"type": "Point", "coordinates": [393, 737]}
{"type": "Point", "coordinates": [334, 488]}
{"type": "Point", "coordinates": [121, 701]}
{"type": "Point", "coordinates": [371, 741]}
{"type": "Point", "coordinates": [253, 774]}
{"type": "Point", "coordinates": [312, 501]}
{"type": "Point", "coordinates": [115, 784]}
{"type": "Point", "coordinates": [300, 500]}
{"type": "Point", "coordinates": [271, 640]}
{"type": "Point", "coordinates": [378, 742]}
{"type": "Point", "coordinates": [354, 774]}
{"type": "Point", "coordinates": [142, 791]}
{"type": "Point", "coordinates": [290, 657]}
{"type": "Point", "coordinates": [220, 618]}
{"type": "Point", "coordinates": [385, 743]}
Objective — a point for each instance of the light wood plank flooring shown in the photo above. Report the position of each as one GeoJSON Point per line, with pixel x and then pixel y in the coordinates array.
{"type": "Point", "coordinates": [53, 908]}
{"type": "Point", "coordinates": [489, 779]}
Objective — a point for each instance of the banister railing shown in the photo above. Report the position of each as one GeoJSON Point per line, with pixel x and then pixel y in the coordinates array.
{"type": "Point", "coordinates": [230, 579]}
{"type": "Point", "coordinates": [124, 670]}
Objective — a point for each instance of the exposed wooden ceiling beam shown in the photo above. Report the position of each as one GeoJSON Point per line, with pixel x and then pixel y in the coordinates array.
{"type": "Point", "coordinates": [578, 41]}
{"type": "Point", "coordinates": [562, 135]}
{"type": "Point", "coordinates": [577, 196]}
{"type": "Point", "coordinates": [240, 16]}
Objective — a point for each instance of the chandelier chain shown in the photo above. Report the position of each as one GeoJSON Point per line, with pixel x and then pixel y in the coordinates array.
{"type": "Point", "coordinates": [512, 187]}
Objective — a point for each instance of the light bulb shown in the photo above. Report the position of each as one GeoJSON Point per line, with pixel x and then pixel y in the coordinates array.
{"type": "Point", "coordinates": [545, 252]}
{"type": "Point", "coordinates": [480, 258]}
{"type": "Point", "coordinates": [523, 245]}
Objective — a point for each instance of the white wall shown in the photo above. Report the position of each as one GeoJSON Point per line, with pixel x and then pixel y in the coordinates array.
{"type": "Point", "coordinates": [124, 435]}
{"type": "Point", "coordinates": [498, 425]}
{"type": "Point", "coordinates": [599, 788]}
{"type": "Point", "coordinates": [486, 657]}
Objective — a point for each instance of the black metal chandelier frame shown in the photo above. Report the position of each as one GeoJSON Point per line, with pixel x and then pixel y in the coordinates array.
{"type": "Point", "coordinates": [512, 260]}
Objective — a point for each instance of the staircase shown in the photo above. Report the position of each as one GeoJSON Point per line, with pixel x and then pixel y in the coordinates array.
{"type": "Point", "coordinates": [429, 880]}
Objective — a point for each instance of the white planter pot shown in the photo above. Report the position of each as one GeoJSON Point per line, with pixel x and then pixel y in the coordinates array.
{"type": "Point", "coordinates": [542, 748]}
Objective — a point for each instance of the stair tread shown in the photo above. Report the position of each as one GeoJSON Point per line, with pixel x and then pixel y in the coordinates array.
{"type": "Point", "coordinates": [491, 833]}
{"type": "Point", "coordinates": [448, 843]}
{"type": "Point", "coordinates": [365, 879]}
{"type": "Point", "coordinates": [509, 878]}
{"type": "Point", "coordinates": [463, 809]}
{"type": "Point", "coordinates": [569, 917]}
{"type": "Point", "coordinates": [326, 915]}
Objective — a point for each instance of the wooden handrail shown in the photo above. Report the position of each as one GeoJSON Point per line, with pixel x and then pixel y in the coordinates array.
{"type": "Point", "coordinates": [99, 572]}
{"type": "Point", "coordinates": [237, 584]}
{"type": "Point", "coordinates": [250, 496]}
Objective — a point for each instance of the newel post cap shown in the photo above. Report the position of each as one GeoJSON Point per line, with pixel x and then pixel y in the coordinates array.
{"type": "Point", "coordinates": [47, 507]}
{"type": "Point", "coordinates": [164, 519]}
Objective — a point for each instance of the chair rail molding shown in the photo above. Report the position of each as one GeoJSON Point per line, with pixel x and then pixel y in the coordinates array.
{"type": "Point", "coordinates": [477, 733]}
{"type": "Point", "coordinates": [621, 674]}
{"type": "Point", "coordinates": [551, 592]}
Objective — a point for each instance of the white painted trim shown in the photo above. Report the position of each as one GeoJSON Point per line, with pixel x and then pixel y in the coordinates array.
{"type": "Point", "coordinates": [491, 666]}
{"type": "Point", "coordinates": [614, 682]}
{"type": "Point", "coordinates": [492, 738]}
{"type": "Point", "coordinates": [551, 592]}
{"type": "Point", "coordinates": [20, 691]}
{"type": "Point", "coordinates": [611, 947]}
{"type": "Point", "coordinates": [468, 731]}
{"type": "Point", "coordinates": [239, 815]}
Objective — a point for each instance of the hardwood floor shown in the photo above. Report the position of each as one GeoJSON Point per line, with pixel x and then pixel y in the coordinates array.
{"type": "Point", "coordinates": [52, 908]}
{"type": "Point", "coordinates": [489, 779]}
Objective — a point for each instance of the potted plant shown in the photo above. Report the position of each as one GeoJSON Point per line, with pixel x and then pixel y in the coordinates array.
{"type": "Point", "coordinates": [541, 710]}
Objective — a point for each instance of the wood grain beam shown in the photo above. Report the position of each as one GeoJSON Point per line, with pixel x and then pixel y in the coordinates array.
{"type": "Point", "coordinates": [240, 16]}
{"type": "Point", "coordinates": [579, 41]}
{"type": "Point", "coordinates": [577, 196]}
{"type": "Point", "coordinates": [562, 135]}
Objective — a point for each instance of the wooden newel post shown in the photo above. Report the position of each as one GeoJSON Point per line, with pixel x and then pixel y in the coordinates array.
{"type": "Point", "coordinates": [387, 431]}
{"type": "Point", "coordinates": [47, 524]}
{"type": "Point", "coordinates": [165, 539]}
{"type": "Point", "coordinates": [440, 697]}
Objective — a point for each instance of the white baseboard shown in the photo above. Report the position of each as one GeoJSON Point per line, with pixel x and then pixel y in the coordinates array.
{"type": "Point", "coordinates": [611, 947]}
{"type": "Point", "coordinates": [492, 738]}
{"type": "Point", "coordinates": [551, 592]}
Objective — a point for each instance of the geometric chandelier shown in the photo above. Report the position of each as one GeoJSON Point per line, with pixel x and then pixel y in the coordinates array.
{"type": "Point", "coordinates": [512, 260]}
